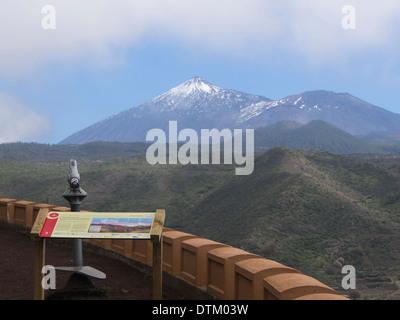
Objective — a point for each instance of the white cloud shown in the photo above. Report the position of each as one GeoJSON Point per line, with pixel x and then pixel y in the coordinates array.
{"type": "Point", "coordinates": [97, 31]}
{"type": "Point", "coordinates": [315, 29]}
{"type": "Point", "coordinates": [19, 123]}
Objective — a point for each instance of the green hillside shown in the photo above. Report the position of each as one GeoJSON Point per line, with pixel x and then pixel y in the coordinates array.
{"type": "Point", "coordinates": [47, 152]}
{"type": "Point", "coordinates": [318, 135]}
{"type": "Point", "coordinates": [305, 209]}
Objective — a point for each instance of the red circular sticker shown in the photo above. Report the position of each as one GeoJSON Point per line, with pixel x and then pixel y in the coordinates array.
{"type": "Point", "coordinates": [53, 215]}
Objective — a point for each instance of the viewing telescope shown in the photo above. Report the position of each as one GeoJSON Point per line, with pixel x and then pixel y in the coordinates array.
{"type": "Point", "coordinates": [74, 176]}
{"type": "Point", "coordinates": [74, 194]}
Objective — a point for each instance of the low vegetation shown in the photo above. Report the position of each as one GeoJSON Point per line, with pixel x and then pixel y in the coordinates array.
{"type": "Point", "coordinates": [311, 210]}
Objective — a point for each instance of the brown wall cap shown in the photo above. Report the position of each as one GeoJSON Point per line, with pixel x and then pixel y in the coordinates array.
{"type": "Point", "coordinates": [227, 253]}
{"type": "Point", "coordinates": [291, 285]}
{"type": "Point", "coordinates": [172, 235]}
{"type": "Point", "coordinates": [43, 205]}
{"type": "Point", "coordinates": [24, 203]}
{"type": "Point", "coordinates": [250, 267]}
{"type": "Point", "coordinates": [61, 209]}
{"type": "Point", "coordinates": [195, 243]}
{"type": "Point", "coordinates": [6, 200]}
{"type": "Point", "coordinates": [321, 296]}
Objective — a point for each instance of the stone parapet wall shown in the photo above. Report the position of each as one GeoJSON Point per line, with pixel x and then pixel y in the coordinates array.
{"type": "Point", "coordinates": [224, 272]}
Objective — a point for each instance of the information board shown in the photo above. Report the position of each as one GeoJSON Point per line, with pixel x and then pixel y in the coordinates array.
{"type": "Point", "coordinates": [98, 225]}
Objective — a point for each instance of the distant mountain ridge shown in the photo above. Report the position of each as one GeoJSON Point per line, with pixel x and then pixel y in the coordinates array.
{"type": "Point", "coordinates": [198, 104]}
{"type": "Point", "coordinates": [315, 135]}
{"type": "Point", "coordinates": [343, 110]}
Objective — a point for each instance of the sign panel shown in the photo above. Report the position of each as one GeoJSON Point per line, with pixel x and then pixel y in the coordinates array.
{"type": "Point", "coordinates": [98, 225]}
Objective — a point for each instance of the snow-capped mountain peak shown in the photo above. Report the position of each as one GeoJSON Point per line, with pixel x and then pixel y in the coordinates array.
{"type": "Point", "coordinates": [200, 95]}
{"type": "Point", "coordinates": [195, 85]}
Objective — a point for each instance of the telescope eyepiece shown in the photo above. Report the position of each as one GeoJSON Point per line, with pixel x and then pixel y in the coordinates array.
{"type": "Point", "coordinates": [74, 182]}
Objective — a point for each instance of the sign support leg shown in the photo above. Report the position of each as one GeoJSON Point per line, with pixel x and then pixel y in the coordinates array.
{"type": "Point", "coordinates": [157, 270]}
{"type": "Point", "coordinates": [40, 249]}
{"type": "Point", "coordinates": [157, 240]}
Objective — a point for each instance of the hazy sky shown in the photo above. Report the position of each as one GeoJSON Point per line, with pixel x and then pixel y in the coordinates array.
{"type": "Point", "coordinates": [67, 66]}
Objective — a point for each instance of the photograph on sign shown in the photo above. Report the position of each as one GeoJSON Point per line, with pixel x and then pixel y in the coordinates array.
{"type": "Point", "coordinates": [121, 225]}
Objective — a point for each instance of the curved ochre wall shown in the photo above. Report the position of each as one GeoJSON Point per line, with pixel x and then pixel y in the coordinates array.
{"type": "Point", "coordinates": [225, 272]}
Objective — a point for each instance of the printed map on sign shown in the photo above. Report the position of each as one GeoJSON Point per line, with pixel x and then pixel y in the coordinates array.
{"type": "Point", "coordinates": [95, 225]}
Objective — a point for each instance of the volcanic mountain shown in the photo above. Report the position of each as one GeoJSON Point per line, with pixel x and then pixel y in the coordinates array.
{"type": "Point", "coordinates": [198, 104]}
